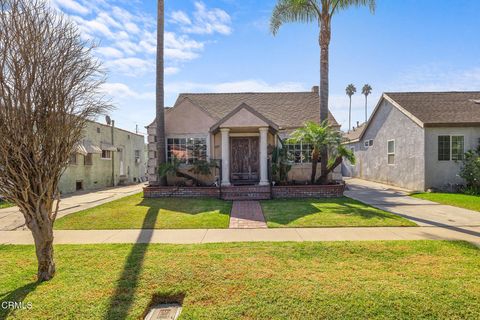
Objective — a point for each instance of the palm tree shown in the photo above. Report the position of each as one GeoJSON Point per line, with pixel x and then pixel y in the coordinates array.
{"type": "Point", "coordinates": [322, 136]}
{"type": "Point", "coordinates": [366, 90]}
{"type": "Point", "coordinates": [350, 91]}
{"type": "Point", "coordinates": [160, 109]}
{"type": "Point", "coordinates": [320, 12]}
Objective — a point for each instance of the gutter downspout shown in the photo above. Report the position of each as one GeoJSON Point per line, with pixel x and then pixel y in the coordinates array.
{"type": "Point", "coordinates": [113, 155]}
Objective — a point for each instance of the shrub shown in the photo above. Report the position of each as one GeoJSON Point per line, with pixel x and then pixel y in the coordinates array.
{"type": "Point", "coordinates": [470, 171]}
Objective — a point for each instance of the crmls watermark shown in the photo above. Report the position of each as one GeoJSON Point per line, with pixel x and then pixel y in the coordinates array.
{"type": "Point", "coordinates": [16, 305]}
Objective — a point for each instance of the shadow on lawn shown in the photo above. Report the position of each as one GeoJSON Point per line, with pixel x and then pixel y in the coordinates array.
{"type": "Point", "coordinates": [18, 295]}
{"type": "Point", "coordinates": [127, 284]}
{"type": "Point", "coordinates": [291, 210]}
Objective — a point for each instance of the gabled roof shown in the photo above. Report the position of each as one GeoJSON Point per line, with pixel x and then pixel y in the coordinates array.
{"type": "Point", "coordinates": [285, 109]}
{"type": "Point", "coordinates": [440, 108]}
{"type": "Point", "coordinates": [251, 110]}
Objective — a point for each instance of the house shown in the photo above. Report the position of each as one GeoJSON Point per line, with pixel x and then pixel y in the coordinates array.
{"type": "Point", "coordinates": [416, 140]}
{"type": "Point", "coordinates": [107, 156]}
{"type": "Point", "coordinates": [239, 130]}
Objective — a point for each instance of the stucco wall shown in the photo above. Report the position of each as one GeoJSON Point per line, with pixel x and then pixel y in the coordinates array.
{"type": "Point", "coordinates": [99, 174]}
{"type": "Point", "coordinates": [441, 173]}
{"type": "Point", "coordinates": [389, 123]}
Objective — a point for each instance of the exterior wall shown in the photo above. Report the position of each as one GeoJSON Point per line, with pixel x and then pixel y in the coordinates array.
{"type": "Point", "coordinates": [408, 172]}
{"type": "Point", "coordinates": [441, 174]}
{"type": "Point", "coordinates": [99, 174]}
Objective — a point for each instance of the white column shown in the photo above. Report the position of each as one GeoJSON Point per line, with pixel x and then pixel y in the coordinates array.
{"type": "Point", "coordinates": [263, 157]}
{"type": "Point", "coordinates": [225, 156]}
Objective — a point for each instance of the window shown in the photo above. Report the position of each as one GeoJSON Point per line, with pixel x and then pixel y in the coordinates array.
{"type": "Point", "coordinates": [137, 154]}
{"type": "Point", "coordinates": [391, 151]}
{"type": "Point", "coordinates": [458, 148]}
{"type": "Point", "coordinates": [187, 150]}
{"type": "Point", "coordinates": [106, 154]}
{"type": "Point", "coordinates": [451, 148]}
{"type": "Point", "coordinates": [98, 130]}
{"type": "Point", "coordinates": [88, 159]}
{"type": "Point", "coordinates": [73, 159]}
{"type": "Point", "coordinates": [299, 153]}
{"type": "Point", "coordinates": [443, 148]}
{"type": "Point", "coordinates": [370, 143]}
{"type": "Point", "coordinates": [366, 143]}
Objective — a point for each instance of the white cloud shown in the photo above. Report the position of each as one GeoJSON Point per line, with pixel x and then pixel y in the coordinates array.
{"type": "Point", "coordinates": [181, 47]}
{"type": "Point", "coordinates": [109, 52]}
{"type": "Point", "coordinates": [71, 5]}
{"type": "Point", "coordinates": [171, 70]}
{"type": "Point", "coordinates": [131, 66]}
{"type": "Point", "coordinates": [121, 90]}
{"type": "Point", "coordinates": [205, 21]}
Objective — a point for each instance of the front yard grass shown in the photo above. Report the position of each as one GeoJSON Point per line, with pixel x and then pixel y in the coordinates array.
{"type": "Point", "coordinates": [135, 212]}
{"type": "Point", "coordinates": [331, 212]}
{"type": "Point", "coordinates": [330, 280]}
{"type": "Point", "coordinates": [453, 199]}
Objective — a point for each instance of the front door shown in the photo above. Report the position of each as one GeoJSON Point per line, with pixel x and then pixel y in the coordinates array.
{"type": "Point", "coordinates": [244, 162]}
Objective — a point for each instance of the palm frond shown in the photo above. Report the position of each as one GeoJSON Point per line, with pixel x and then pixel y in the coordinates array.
{"type": "Point", "coordinates": [338, 5]}
{"type": "Point", "coordinates": [286, 11]}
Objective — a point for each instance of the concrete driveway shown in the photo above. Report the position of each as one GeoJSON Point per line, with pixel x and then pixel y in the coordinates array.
{"type": "Point", "coordinates": [422, 212]}
{"type": "Point", "coordinates": [12, 218]}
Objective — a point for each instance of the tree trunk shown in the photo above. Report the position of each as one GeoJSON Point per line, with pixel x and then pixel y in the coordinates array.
{"type": "Point", "coordinates": [366, 104]}
{"type": "Point", "coordinates": [350, 115]}
{"type": "Point", "coordinates": [313, 175]}
{"type": "Point", "coordinates": [325, 34]}
{"type": "Point", "coordinates": [160, 109]}
{"type": "Point", "coordinates": [323, 177]}
{"type": "Point", "coordinates": [43, 237]}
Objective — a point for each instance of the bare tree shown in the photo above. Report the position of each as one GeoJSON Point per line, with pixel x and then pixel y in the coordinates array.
{"type": "Point", "coordinates": [49, 88]}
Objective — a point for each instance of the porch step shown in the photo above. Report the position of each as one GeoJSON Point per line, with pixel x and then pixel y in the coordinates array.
{"type": "Point", "coordinates": [246, 193]}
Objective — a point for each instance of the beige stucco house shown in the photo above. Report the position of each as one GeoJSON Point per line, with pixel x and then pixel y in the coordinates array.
{"type": "Point", "coordinates": [238, 129]}
{"type": "Point", "coordinates": [106, 156]}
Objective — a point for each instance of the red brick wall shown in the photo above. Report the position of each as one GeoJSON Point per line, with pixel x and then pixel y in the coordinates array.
{"type": "Point", "coordinates": [187, 192]}
{"type": "Point", "coordinates": [308, 191]}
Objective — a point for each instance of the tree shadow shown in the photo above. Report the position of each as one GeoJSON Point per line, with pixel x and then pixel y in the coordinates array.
{"type": "Point", "coordinates": [17, 295]}
{"type": "Point", "coordinates": [122, 299]}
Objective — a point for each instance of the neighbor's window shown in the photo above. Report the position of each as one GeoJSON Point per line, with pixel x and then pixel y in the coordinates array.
{"type": "Point", "coordinates": [458, 147]}
{"type": "Point", "coordinates": [370, 143]}
{"type": "Point", "coordinates": [187, 150]}
{"type": "Point", "coordinates": [106, 154]}
{"type": "Point", "coordinates": [451, 148]}
{"type": "Point", "coordinates": [73, 159]}
{"type": "Point", "coordinates": [299, 153]}
{"type": "Point", "coordinates": [366, 143]}
{"type": "Point", "coordinates": [391, 151]}
{"type": "Point", "coordinates": [443, 148]}
{"type": "Point", "coordinates": [137, 154]}
{"type": "Point", "coordinates": [88, 161]}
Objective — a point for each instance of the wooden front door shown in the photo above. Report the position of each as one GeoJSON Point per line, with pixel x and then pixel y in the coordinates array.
{"type": "Point", "coordinates": [244, 162]}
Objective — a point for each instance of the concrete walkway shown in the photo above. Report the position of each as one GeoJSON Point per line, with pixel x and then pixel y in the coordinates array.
{"type": "Point", "coordinates": [196, 236]}
{"type": "Point", "coordinates": [247, 215]}
{"type": "Point", "coordinates": [12, 218]}
{"type": "Point", "coordinates": [422, 212]}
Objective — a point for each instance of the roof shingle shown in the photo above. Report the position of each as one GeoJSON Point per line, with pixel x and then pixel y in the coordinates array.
{"type": "Point", "coordinates": [441, 108]}
{"type": "Point", "coordinates": [286, 109]}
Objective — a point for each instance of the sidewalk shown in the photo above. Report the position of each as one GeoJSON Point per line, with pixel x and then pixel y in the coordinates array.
{"type": "Point", "coordinates": [12, 218]}
{"type": "Point", "coordinates": [196, 236]}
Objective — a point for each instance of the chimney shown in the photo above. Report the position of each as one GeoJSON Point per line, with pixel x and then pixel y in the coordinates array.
{"type": "Point", "coordinates": [315, 89]}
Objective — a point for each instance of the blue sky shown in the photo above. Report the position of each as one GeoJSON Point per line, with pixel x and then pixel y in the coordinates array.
{"type": "Point", "coordinates": [226, 46]}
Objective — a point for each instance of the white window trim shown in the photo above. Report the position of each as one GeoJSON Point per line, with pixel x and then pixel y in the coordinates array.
{"type": "Point", "coordinates": [392, 153]}
{"type": "Point", "coordinates": [451, 145]}
{"type": "Point", "coordinates": [102, 158]}
{"type": "Point", "coordinates": [301, 150]}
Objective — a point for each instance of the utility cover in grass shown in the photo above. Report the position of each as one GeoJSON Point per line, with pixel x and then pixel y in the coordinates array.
{"type": "Point", "coordinates": [164, 312]}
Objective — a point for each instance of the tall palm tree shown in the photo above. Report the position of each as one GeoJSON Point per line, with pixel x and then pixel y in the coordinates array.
{"type": "Point", "coordinates": [320, 12]}
{"type": "Point", "coordinates": [160, 109]}
{"type": "Point", "coordinates": [350, 91]}
{"type": "Point", "coordinates": [322, 136]}
{"type": "Point", "coordinates": [366, 90]}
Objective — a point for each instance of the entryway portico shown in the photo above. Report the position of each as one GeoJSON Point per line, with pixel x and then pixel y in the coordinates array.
{"type": "Point", "coordinates": [244, 146]}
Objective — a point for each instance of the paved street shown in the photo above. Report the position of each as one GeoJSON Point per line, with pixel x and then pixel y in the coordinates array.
{"type": "Point", "coordinates": [12, 218]}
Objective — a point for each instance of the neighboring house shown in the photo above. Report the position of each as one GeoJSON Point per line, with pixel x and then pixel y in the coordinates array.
{"type": "Point", "coordinates": [240, 130]}
{"type": "Point", "coordinates": [105, 157]}
{"type": "Point", "coordinates": [416, 140]}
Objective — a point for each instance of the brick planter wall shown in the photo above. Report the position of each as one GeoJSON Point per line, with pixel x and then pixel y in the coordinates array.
{"type": "Point", "coordinates": [308, 191]}
{"type": "Point", "coordinates": [186, 192]}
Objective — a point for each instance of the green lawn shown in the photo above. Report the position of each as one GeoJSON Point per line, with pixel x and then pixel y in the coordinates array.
{"type": "Point", "coordinates": [4, 204]}
{"type": "Point", "coordinates": [334, 212]}
{"type": "Point", "coordinates": [330, 280]}
{"type": "Point", "coordinates": [134, 212]}
{"type": "Point", "coordinates": [454, 199]}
